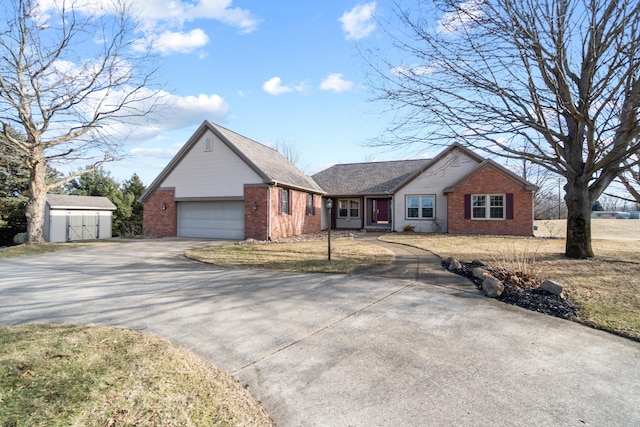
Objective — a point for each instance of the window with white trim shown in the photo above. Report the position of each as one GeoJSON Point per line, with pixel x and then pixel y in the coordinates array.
{"type": "Point", "coordinates": [488, 206]}
{"type": "Point", "coordinates": [284, 202]}
{"type": "Point", "coordinates": [311, 210]}
{"type": "Point", "coordinates": [349, 208]}
{"type": "Point", "coordinates": [420, 207]}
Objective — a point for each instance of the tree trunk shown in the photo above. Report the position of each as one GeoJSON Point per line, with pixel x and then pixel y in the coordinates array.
{"type": "Point", "coordinates": [578, 220]}
{"type": "Point", "coordinates": [37, 198]}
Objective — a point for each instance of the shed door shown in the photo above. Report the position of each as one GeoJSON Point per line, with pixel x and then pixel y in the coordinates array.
{"type": "Point", "coordinates": [217, 220]}
{"type": "Point", "coordinates": [82, 226]}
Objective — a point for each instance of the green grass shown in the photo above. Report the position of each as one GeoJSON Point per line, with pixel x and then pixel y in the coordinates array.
{"type": "Point", "coordinates": [96, 376]}
{"type": "Point", "coordinates": [347, 254]}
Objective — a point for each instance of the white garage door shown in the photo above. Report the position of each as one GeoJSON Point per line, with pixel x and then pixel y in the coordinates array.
{"type": "Point", "coordinates": [219, 220]}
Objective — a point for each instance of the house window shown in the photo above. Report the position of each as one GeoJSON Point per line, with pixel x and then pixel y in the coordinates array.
{"type": "Point", "coordinates": [421, 207]}
{"type": "Point", "coordinates": [348, 208]}
{"type": "Point", "coordinates": [208, 144]}
{"type": "Point", "coordinates": [310, 208]}
{"type": "Point", "coordinates": [284, 202]}
{"type": "Point", "coordinates": [488, 206]}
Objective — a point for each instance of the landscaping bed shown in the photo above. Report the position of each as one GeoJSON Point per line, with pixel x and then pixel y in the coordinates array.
{"type": "Point", "coordinates": [523, 291]}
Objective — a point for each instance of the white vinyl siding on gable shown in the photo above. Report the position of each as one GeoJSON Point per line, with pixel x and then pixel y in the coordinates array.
{"type": "Point", "coordinates": [218, 172]}
{"type": "Point", "coordinates": [438, 176]}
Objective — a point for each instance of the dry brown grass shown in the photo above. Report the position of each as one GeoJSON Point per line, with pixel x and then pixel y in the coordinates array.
{"type": "Point", "coordinates": [606, 287]}
{"type": "Point", "coordinates": [96, 376]}
{"type": "Point", "coordinates": [42, 248]}
{"type": "Point", "coordinates": [347, 254]}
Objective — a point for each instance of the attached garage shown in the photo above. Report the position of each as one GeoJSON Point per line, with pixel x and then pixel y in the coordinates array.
{"type": "Point", "coordinates": [215, 220]}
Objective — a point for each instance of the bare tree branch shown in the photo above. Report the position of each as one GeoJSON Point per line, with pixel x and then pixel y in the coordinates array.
{"type": "Point", "coordinates": [555, 82]}
{"type": "Point", "coordinates": [67, 79]}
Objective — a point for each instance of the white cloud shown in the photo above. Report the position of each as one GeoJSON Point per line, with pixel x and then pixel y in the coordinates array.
{"type": "Point", "coordinates": [170, 42]}
{"type": "Point", "coordinates": [167, 11]}
{"type": "Point", "coordinates": [302, 87]}
{"type": "Point", "coordinates": [154, 153]}
{"type": "Point", "coordinates": [175, 13]}
{"type": "Point", "coordinates": [416, 70]}
{"type": "Point", "coordinates": [274, 86]}
{"type": "Point", "coordinates": [467, 12]}
{"type": "Point", "coordinates": [172, 112]}
{"type": "Point", "coordinates": [167, 17]}
{"type": "Point", "coordinates": [178, 111]}
{"type": "Point", "coordinates": [358, 22]}
{"type": "Point", "coordinates": [336, 83]}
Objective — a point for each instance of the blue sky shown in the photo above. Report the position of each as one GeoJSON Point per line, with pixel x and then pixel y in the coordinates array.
{"type": "Point", "coordinates": [272, 71]}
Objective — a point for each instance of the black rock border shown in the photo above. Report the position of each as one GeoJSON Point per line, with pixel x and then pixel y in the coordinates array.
{"type": "Point", "coordinates": [534, 299]}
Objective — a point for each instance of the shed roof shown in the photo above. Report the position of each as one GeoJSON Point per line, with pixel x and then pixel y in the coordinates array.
{"type": "Point", "coordinates": [66, 201]}
{"type": "Point", "coordinates": [367, 178]}
{"type": "Point", "coordinates": [268, 163]}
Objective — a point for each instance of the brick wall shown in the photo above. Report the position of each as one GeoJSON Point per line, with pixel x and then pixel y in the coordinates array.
{"type": "Point", "coordinates": [298, 222]}
{"type": "Point", "coordinates": [491, 181]}
{"type": "Point", "coordinates": [158, 222]}
{"type": "Point", "coordinates": [256, 220]}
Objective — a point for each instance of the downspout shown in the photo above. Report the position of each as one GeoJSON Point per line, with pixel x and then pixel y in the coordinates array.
{"type": "Point", "coordinates": [269, 216]}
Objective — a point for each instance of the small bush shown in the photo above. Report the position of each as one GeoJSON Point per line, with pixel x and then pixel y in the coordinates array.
{"type": "Point", "coordinates": [409, 228]}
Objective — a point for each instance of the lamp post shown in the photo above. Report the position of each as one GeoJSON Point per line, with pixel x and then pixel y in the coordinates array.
{"type": "Point", "coordinates": [329, 206]}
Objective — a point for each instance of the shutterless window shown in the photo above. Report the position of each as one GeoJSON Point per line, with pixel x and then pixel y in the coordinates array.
{"type": "Point", "coordinates": [421, 207]}
{"type": "Point", "coordinates": [348, 208]}
{"type": "Point", "coordinates": [354, 208]}
{"type": "Point", "coordinates": [343, 208]}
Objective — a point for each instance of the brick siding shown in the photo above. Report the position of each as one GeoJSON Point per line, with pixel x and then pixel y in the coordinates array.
{"type": "Point", "coordinates": [491, 181]}
{"type": "Point", "coordinates": [256, 220]}
{"type": "Point", "coordinates": [297, 222]}
{"type": "Point", "coordinates": [156, 221]}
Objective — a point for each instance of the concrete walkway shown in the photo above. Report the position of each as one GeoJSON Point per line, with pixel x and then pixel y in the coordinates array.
{"type": "Point", "coordinates": [413, 263]}
{"type": "Point", "coordinates": [335, 350]}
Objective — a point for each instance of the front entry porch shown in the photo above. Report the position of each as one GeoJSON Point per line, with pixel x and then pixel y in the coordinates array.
{"type": "Point", "coordinates": [378, 217]}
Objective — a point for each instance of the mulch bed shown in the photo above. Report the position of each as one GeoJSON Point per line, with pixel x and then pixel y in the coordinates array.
{"type": "Point", "coordinates": [523, 291]}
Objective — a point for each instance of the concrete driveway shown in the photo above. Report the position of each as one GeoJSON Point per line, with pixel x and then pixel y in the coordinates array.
{"type": "Point", "coordinates": [333, 350]}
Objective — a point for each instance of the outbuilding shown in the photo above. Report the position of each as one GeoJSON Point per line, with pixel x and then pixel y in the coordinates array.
{"type": "Point", "coordinates": [71, 218]}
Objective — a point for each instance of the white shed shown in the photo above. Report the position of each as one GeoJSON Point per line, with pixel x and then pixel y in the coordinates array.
{"type": "Point", "coordinates": [68, 218]}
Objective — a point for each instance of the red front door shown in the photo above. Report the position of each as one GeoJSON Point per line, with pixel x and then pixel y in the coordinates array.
{"type": "Point", "coordinates": [380, 211]}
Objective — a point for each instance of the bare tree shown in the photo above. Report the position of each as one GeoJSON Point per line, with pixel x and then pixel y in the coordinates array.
{"type": "Point", "coordinates": [69, 75]}
{"type": "Point", "coordinates": [630, 178]}
{"type": "Point", "coordinates": [289, 150]}
{"type": "Point", "coordinates": [557, 77]}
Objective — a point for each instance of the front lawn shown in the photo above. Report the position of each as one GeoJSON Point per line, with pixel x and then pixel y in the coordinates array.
{"type": "Point", "coordinates": [43, 248]}
{"type": "Point", "coordinates": [347, 254]}
{"type": "Point", "coordinates": [95, 376]}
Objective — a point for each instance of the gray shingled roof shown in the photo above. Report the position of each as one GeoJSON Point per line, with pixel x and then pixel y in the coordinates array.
{"type": "Point", "coordinates": [273, 166]}
{"type": "Point", "coordinates": [367, 178]}
{"type": "Point", "coordinates": [65, 201]}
